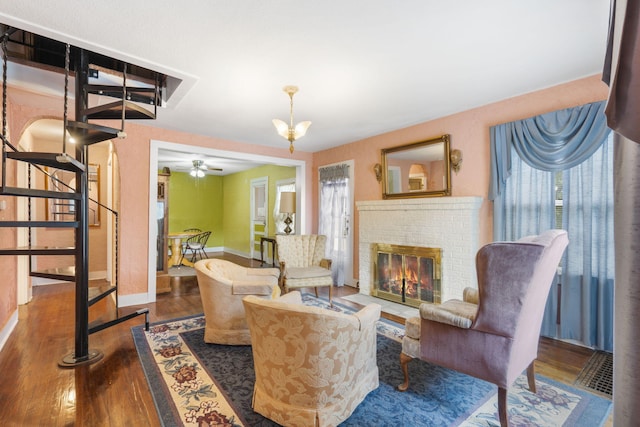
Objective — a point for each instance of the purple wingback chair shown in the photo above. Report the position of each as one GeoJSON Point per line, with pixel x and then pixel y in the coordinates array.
{"type": "Point", "coordinates": [493, 333]}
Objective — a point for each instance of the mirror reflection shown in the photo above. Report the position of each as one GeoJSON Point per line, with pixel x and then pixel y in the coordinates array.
{"type": "Point", "coordinates": [420, 169]}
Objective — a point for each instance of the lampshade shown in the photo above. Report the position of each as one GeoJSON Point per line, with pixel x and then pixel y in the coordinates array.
{"type": "Point", "coordinates": [288, 202]}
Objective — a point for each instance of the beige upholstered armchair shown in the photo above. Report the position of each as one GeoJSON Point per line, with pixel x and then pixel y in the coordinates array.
{"type": "Point", "coordinates": [303, 263]}
{"type": "Point", "coordinates": [493, 333]}
{"type": "Point", "coordinates": [222, 285]}
{"type": "Point", "coordinates": [313, 366]}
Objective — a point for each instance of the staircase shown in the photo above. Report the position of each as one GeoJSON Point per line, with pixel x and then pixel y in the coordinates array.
{"type": "Point", "coordinates": [126, 105]}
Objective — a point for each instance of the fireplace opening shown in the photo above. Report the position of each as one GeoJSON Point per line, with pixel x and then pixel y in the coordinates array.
{"type": "Point", "coordinates": [408, 275]}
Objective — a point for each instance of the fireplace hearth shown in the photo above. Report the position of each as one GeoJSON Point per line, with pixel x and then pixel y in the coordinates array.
{"type": "Point", "coordinates": [408, 275]}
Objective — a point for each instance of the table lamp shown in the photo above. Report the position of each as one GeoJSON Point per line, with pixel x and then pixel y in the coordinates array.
{"type": "Point", "coordinates": [288, 206]}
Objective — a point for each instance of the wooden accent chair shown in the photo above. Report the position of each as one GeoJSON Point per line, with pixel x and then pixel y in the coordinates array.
{"type": "Point", "coordinates": [222, 285]}
{"type": "Point", "coordinates": [493, 333]}
{"type": "Point", "coordinates": [303, 263]}
{"type": "Point", "coordinates": [313, 366]}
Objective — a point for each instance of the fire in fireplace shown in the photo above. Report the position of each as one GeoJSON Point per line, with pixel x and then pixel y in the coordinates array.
{"type": "Point", "coordinates": [408, 275]}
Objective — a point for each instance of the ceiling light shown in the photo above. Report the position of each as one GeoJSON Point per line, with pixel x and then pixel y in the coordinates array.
{"type": "Point", "coordinates": [290, 132]}
{"type": "Point", "coordinates": [197, 171]}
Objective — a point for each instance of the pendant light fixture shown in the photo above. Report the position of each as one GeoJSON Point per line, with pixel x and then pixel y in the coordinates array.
{"type": "Point", "coordinates": [290, 132]}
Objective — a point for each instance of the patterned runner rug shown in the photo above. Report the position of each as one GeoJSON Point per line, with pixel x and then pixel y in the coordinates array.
{"type": "Point", "coordinates": [199, 384]}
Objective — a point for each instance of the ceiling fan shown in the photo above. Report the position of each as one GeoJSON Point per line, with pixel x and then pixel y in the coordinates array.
{"type": "Point", "coordinates": [199, 167]}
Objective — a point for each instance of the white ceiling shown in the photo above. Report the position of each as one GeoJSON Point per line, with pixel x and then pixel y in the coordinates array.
{"type": "Point", "coordinates": [364, 67]}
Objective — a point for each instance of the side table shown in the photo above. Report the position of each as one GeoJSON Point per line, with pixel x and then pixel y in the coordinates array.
{"type": "Point", "coordinates": [268, 240]}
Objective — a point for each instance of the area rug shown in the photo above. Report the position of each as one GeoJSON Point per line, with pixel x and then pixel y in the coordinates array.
{"type": "Point", "coordinates": [198, 384]}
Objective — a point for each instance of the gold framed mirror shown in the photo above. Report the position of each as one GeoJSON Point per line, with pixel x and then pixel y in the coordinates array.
{"type": "Point", "coordinates": [420, 169]}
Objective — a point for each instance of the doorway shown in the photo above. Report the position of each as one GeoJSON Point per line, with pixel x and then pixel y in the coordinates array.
{"type": "Point", "coordinates": [157, 146]}
{"type": "Point", "coordinates": [259, 204]}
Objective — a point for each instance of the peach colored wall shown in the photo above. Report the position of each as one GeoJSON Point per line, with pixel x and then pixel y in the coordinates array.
{"type": "Point", "coordinates": [469, 132]}
{"type": "Point", "coordinates": [8, 239]}
{"type": "Point", "coordinates": [133, 158]}
{"type": "Point", "coordinates": [133, 155]}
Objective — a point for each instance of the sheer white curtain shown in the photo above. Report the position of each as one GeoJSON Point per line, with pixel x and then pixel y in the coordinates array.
{"type": "Point", "coordinates": [333, 216]}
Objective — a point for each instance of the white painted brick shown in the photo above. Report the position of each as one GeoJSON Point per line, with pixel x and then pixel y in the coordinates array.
{"type": "Point", "coordinates": [450, 223]}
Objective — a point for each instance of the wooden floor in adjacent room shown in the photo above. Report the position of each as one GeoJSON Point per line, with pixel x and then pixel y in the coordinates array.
{"type": "Point", "coordinates": [34, 391]}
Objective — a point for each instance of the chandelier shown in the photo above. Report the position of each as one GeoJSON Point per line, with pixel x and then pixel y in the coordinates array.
{"type": "Point", "coordinates": [290, 132]}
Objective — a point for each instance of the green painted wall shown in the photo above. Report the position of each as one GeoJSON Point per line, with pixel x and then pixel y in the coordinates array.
{"type": "Point", "coordinates": [221, 204]}
{"type": "Point", "coordinates": [197, 203]}
{"type": "Point", "coordinates": [237, 203]}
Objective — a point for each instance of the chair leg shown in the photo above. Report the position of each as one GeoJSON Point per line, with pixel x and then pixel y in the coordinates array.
{"type": "Point", "coordinates": [531, 377]}
{"type": "Point", "coordinates": [330, 295]}
{"type": "Point", "coordinates": [502, 407]}
{"type": "Point", "coordinates": [404, 364]}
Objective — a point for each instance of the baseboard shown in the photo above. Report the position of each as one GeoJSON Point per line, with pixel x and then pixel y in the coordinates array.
{"type": "Point", "coordinates": [214, 249]}
{"type": "Point", "coordinates": [5, 333]}
{"type": "Point", "coordinates": [238, 253]}
{"type": "Point", "coordinates": [133, 299]}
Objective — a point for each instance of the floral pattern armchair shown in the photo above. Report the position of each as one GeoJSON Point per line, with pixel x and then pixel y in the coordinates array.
{"type": "Point", "coordinates": [222, 285]}
{"type": "Point", "coordinates": [303, 263]}
{"type": "Point", "coordinates": [313, 366]}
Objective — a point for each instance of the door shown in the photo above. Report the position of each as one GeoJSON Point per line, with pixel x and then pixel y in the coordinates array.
{"type": "Point", "coordinates": [259, 203]}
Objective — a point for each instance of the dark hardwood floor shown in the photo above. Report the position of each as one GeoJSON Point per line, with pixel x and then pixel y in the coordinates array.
{"type": "Point", "coordinates": [34, 391]}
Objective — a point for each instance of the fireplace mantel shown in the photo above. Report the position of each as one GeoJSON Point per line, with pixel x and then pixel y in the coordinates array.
{"type": "Point", "coordinates": [449, 223]}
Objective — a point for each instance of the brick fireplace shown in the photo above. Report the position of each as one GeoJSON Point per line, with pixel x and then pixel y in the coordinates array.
{"type": "Point", "coordinates": [450, 224]}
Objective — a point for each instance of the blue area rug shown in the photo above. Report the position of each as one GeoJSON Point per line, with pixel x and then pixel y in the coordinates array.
{"type": "Point", "coordinates": [194, 383]}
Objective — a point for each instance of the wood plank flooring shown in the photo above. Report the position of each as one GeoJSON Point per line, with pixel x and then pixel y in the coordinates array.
{"type": "Point", "coordinates": [34, 391]}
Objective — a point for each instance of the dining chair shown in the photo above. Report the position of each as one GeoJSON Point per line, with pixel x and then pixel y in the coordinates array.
{"type": "Point", "coordinates": [196, 245]}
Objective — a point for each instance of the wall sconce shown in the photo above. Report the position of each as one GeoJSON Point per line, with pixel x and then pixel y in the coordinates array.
{"type": "Point", "coordinates": [377, 168]}
{"type": "Point", "coordinates": [456, 160]}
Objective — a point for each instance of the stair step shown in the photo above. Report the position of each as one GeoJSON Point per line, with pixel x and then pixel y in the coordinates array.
{"type": "Point", "coordinates": [100, 324]}
{"type": "Point", "coordinates": [40, 224]}
{"type": "Point", "coordinates": [87, 133]}
{"type": "Point", "coordinates": [32, 192]}
{"type": "Point", "coordinates": [38, 250]}
{"type": "Point", "coordinates": [113, 111]}
{"type": "Point", "coordinates": [61, 273]}
{"type": "Point", "coordinates": [143, 95]}
{"type": "Point", "coordinates": [54, 160]}
{"type": "Point", "coordinates": [96, 293]}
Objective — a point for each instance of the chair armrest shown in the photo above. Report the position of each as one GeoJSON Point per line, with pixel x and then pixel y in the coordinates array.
{"type": "Point", "coordinates": [282, 270]}
{"type": "Point", "coordinates": [368, 315]}
{"type": "Point", "coordinates": [251, 287]}
{"type": "Point", "coordinates": [325, 263]}
{"type": "Point", "coordinates": [293, 297]}
{"type": "Point", "coordinates": [470, 295]}
{"type": "Point", "coordinates": [453, 312]}
{"type": "Point", "coordinates": [263, 272]}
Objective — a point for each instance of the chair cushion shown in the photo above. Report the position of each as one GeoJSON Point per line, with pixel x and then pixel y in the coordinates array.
{"type": "Point", "coordinates": [306, 272]}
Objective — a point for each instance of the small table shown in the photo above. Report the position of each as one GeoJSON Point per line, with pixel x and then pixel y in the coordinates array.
{"type": "Point", "coordinates": [176, 249]}
{"type": "Point", "coordinates": [272, 241]}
